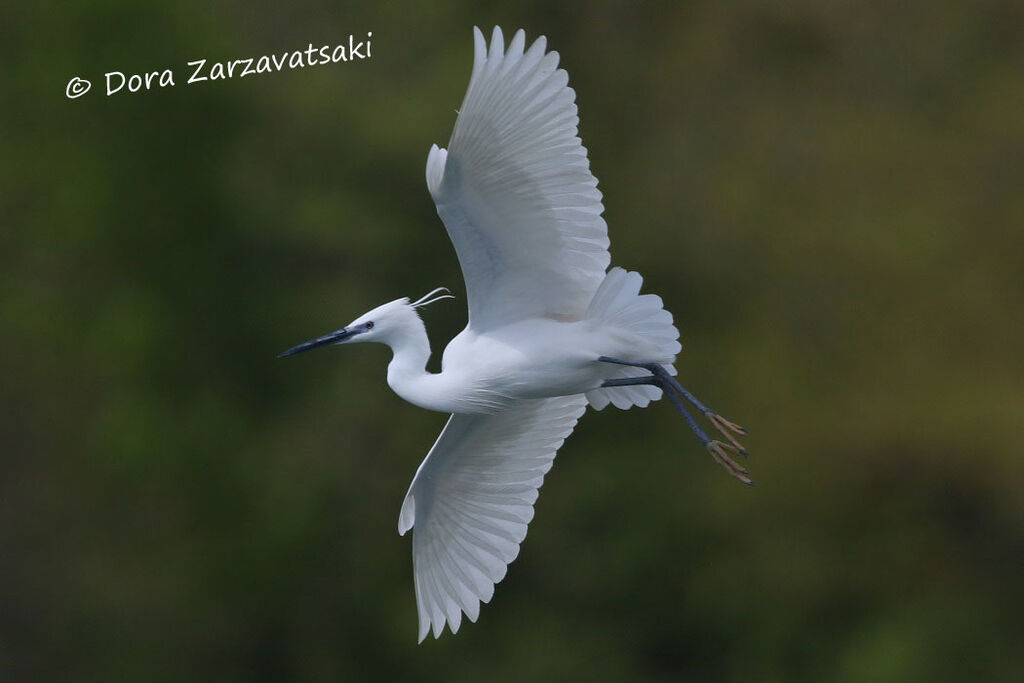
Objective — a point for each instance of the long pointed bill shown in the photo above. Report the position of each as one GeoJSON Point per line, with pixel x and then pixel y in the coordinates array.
{"type": "Point", "coordinates": [332, 338]}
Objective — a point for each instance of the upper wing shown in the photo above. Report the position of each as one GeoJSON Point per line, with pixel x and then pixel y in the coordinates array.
{"type": "Point", "coordinates": [515, 191]}
{"type": "Point", "coordinates": [471, 500]}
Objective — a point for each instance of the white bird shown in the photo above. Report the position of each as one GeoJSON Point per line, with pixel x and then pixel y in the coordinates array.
{"type": "Point", "coordinates": [551, 330]}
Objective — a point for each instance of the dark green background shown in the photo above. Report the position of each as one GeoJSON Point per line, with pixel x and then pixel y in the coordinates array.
{"type": "Point", "coordinates": [827, 195]}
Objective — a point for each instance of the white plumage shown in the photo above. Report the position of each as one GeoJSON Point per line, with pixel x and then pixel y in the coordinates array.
{"type": "Point", "coordinates": [516, 193]}
{"type": "Point", "coordinates": [472, 499]}
{"type": "Point", "coordinates": [551, 329]}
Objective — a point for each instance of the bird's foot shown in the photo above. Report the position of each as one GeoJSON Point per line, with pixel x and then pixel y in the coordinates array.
{"type": "Point", "coordinates": [718, 449]}
{"type": "Point", "coordinates": [727, 429]}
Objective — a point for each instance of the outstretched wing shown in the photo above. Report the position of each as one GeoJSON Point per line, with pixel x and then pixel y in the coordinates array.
{"type": "Point", "coordinates": [515, 190]}
{"type": "Point", "coordinates": [472, 499]}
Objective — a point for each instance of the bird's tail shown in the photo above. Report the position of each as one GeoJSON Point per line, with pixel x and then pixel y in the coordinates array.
{"type": "Point", "coordinates": [647, 329]}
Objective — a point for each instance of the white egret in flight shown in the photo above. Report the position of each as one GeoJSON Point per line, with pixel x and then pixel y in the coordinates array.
{"type": "Point", "coordinates": [551, 329]}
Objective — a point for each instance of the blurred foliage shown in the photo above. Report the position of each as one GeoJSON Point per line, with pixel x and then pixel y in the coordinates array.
{"type": "Point", "coordinates": [827, 195]}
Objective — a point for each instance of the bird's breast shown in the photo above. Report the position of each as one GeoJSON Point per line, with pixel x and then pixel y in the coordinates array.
{"type": "Point", "coordinates": [450, 391]}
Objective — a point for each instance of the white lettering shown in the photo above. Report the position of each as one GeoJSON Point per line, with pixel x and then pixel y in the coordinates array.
{"type": "Point", "coordinates": [193, 78]}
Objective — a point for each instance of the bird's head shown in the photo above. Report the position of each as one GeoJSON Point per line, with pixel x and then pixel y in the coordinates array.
{"type": "Point", "coordinates": [382, 324]}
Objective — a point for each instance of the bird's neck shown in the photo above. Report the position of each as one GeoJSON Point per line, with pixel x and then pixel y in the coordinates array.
{"type": "Point", "coordinates": [409, 356]}
{"type": "Point", "coordinates": [407, 371]}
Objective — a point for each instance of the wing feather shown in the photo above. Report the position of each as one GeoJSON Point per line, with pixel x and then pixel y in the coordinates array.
{"type": "Point", "coordinates": [515, 190]}
{"type": "Point", "coordinates": [471, 502]}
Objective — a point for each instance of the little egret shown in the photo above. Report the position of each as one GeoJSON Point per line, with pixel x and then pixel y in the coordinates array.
{"type": "Point", "coordinates": [551, 329]}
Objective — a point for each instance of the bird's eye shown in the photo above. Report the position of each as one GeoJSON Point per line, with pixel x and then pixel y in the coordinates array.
{"type": "Point", "coordinates": [369, 325]}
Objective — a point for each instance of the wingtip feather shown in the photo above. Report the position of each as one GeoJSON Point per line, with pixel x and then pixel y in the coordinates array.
{"type": "Point", "coordinates": [479, 52]}
{"type": "Point", "coordinates": [515, 48]}
{"type": "Point", "coordinates": [497, 44]}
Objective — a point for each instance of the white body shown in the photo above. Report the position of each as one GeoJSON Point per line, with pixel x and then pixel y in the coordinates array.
{"type": "Point", "coordinates": [538, 358]}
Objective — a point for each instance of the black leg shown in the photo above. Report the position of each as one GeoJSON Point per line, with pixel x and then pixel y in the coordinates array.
{"type": "Point", "coordinates": [661, 378]}
{"type": "Point", "coordinates": [659, 382]}
{"type": "Point", "coordinates": [631, 381]}
{"type": "Point", "coordinates": [723, 425]}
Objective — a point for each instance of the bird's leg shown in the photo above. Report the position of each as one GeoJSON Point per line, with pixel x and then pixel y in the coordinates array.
{"type": "Point", "coordinates": [725, 426]}
{"type": "Point", "coordinates": [661, 378]}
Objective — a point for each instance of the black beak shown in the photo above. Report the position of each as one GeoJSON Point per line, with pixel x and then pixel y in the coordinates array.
{"type": "Point", "coordinates": [332, 338]}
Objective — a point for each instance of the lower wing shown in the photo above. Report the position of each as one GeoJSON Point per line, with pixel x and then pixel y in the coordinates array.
{"type": "Point", "coordinates": [472, 499]}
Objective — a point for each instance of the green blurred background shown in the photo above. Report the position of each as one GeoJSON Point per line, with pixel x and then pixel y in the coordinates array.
{"type": "Point", "coordinates": [827, 195]}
